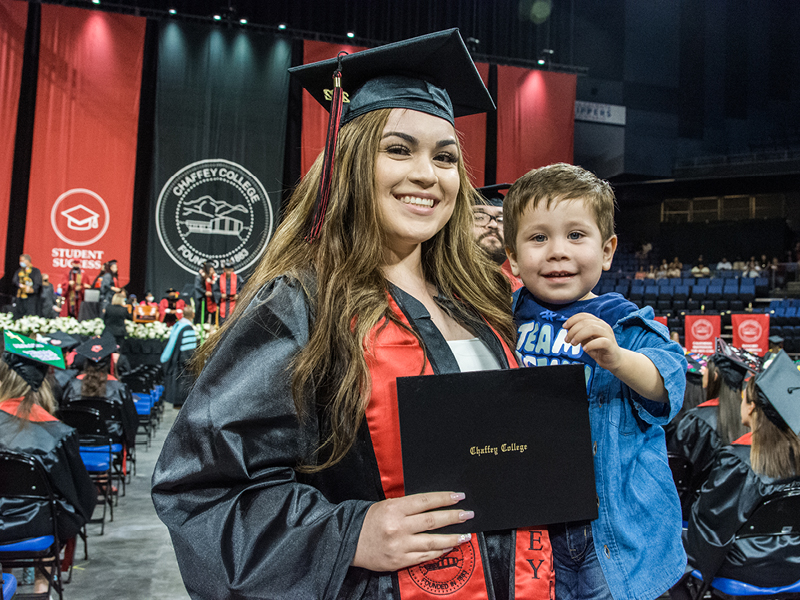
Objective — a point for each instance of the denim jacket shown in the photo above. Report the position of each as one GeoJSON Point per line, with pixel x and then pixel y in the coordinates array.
{"type": "Point", "coordinates": [637, 535]}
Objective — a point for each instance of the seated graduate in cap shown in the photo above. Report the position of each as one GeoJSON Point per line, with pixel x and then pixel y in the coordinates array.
{"type": "Point", "coordinates": [281, 477]}
{"type": "Point", "coordinates": [762, 463]}
{"type": "Point", "coordinates": [96, 381]}
{"type": "Point", "coordinates": [27, 425]}
{"type": "Point", "coordinates": [711, 425]}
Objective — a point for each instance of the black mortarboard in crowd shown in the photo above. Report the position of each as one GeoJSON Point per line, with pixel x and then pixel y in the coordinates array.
{"type": "Point", "coordinates": [775, 339]}
{"type": "Point", "coordinates": [779, 385]}
{"type": "Point", "coordinates": [432, 73]}
{"type": "Point", "coordinates": [97, 348]}
{"type": "Point", "coordinates": [491, 193]}
{"type": "Point", "coordinates": [30, 359]}
{"type": "Point", "coordinates": [733, 363]}
{"type": "Point", "coordinates": [63, 340]}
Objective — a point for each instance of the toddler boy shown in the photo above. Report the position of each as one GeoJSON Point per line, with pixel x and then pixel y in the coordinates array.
{"type": "Point", "coordinates": [559, 234]}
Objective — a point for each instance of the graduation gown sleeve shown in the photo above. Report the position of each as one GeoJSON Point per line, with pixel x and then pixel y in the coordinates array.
{"type": "Point", "coordinates": [242, 524]}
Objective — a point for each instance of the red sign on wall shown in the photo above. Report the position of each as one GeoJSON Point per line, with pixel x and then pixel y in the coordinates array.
{"type": "Point", "coordinates": [751, 333]}
{"type": "Point", "coordinates": [662, 320]}
{"type": "Point", "coordinates": [701, 331]}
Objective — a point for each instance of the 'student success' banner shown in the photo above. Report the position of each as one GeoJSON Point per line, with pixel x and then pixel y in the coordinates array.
{"type": "Point", "coordinates": [83, 162]}
{"type": "Point", "coordinates": [535, 120]}
{"type": "Point", "coordinates": [221, 101]}
{"type": "Point", "coordinates": [751, 332]}
{"type": "Point", "coordinates": [701, 331]}
{"type": "Point", "coordinates": [471, 129]}
{"type": "Point", "coordinates": [13, 20]}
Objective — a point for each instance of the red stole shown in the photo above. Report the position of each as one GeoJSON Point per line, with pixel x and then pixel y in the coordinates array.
{"type": "Point", "coordinates": [393, 351]}
{"type": "Point", "coordinates": [211, 306]}
{"type": "Point", "coordinates": [227, 306]}
{"type": "Point", "coordinates": [712, 402]}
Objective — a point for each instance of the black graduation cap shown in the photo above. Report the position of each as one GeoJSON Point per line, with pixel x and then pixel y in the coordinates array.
{"type": "Point", "coordinates": [491, 193]}
{"type": "Point", "coordinates": [432, 73]}
{"type": "Point", "coordinates": [97, 348]}
{"type": "Point", "coordinates": [775, 339]}
{"type": "Point", "coordinates": [63, 340]}
{"type": "Point", "coordinates": [780, 385]}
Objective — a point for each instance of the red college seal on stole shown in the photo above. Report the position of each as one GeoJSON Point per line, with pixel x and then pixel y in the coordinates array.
{"type": "Point", "coordinates": [446, 574]}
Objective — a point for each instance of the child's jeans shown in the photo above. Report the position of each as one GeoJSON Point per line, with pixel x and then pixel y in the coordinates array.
{"type": "Point", "coordinates": [578, 572]}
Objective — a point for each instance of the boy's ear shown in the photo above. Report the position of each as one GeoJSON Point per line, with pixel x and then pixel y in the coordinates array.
{"type": "Point", "coordinates": [512, 260]}
{"type": "Point", "coordinates": [608, 252]}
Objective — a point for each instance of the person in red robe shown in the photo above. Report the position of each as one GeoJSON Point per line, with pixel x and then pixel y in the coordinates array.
{"type": "Point", "coordinates": [171, 307]}
{"type": "Point", "coordinates": [229, 286]}
{"type": "Point", "coordinates": [74, 285]}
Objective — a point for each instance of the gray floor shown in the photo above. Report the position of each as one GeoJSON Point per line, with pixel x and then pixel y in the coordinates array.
{"type": "Point", "coordinates": [133, 559]}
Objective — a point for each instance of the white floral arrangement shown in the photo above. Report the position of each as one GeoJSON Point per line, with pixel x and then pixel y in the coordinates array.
{"type": "Point", "coordinates": [30, 326]}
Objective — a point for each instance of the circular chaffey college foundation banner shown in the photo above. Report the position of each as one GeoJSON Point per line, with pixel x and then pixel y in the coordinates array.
{"type": "Point", "coordinates": [217, 211]}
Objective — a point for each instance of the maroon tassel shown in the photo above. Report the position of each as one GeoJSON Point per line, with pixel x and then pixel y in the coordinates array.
{"type": "Point", "coordinates": [334, 123]}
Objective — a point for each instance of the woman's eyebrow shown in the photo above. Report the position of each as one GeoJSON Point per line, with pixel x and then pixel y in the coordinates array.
{"type": "Point", "coordinates": [412, 140]}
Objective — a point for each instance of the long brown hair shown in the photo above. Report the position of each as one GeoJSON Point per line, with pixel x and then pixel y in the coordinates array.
{"type": "Point", "coordinates": [729, 416]}
{"type": "Point", "coordinates": [350, 295]}
{"type": "Point", "coordinates": [14, 386]}
{"type": "Point", "coordinates": [775, 451]}
{"type": "Point", "coordinates": [95, 376]}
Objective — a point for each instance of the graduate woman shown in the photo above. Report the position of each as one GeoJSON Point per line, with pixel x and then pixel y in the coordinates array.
{"type": "Point", "coordinates": [282, 476]}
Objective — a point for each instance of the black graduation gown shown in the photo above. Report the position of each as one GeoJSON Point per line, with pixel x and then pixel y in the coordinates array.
{"type": "Point", "coordinates": [56, 446]}
{"type": "Point", "coordinates": [243, 522]}
{"type": "Point", "coordinates": [728, 498]}
{"type": "Point", "coordinates": [120, 394]}
{"type": "Point", "coordinates": [696, 439]}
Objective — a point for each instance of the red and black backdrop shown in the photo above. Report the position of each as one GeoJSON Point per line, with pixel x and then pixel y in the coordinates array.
{"type": "Point", "coordinates": [164, 143]}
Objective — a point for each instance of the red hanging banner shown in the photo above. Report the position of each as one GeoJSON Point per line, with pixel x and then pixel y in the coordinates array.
{"type": "Point", "coordinates": [535, 120]}
{"type": "Point", "coordinates": [84, 141]}
{"type": "Point", "coordinates": [701, 331]}
{"type": "Point", "coordinates": [13, 21]}
{"type": "Point", "coordinates": [662, 320]}
{"type": "Point", "coordinates": [471, 130]}
{"type": "Point", "coordinates": [751, 332]}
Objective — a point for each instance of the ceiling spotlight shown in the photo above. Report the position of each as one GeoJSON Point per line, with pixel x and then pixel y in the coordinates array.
{"type": "Point", "coordinates": [243, 21]}
{"type": "Point", "coordinates": [282, 26]}
{"type": "Point", "coordinates": [172, 11]}
{"type": "Point", "coordinates": [95, 1]}
{"type": "Point", "coordinates": [217, 18]}
{"type": "Point", "coordinates": [351, 34]}
{"type": "Point", "coordinates": [540, 61]}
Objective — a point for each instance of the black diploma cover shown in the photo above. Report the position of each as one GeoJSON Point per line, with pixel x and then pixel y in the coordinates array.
{"type": "Point", "coordinates": [517, 442]}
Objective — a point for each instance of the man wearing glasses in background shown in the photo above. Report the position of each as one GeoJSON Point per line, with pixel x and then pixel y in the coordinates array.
{"type": "Point", "coordinates": [488, 228]}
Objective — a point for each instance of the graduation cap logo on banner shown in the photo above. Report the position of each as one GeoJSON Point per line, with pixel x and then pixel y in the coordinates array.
{"type": "Point", "coordinates": [30, 359]}
{"type": "Point", "coordinates": [431, 73]}
{"type": "Point", "coordinates": [780, 385]}
{"type": "Point", "coordinates": [97, 349]}
{"type": "Point", "coordinates": [80, 218]}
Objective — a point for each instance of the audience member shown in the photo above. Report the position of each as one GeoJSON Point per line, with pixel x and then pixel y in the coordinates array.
{"type": "Point", "coordinates": [171, 307]}
{"type": "Point", "coordinates": [739, 264]}
{"type": "Point", "coordinates": [752, 268]}
{"type": "Point", "coordinates": [700, 270]}
{"type": "Point", "coordinates": [28, 283]}
{"type": "Point", "coordinates": [178, 377]}
{"type": "Point", "coordinates": [674, 269]}
{"type": "Point", "coordinates": [752, 469]}
{"type": "Point", "coordinates": [27, 425]}
{"type": "Point", "coordinates": [724, 265]}
{"type": "Point", "coordinates": [663, 270]}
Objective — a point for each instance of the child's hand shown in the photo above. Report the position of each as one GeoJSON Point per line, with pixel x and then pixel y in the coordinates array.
{"type": "Point", "coordinates": [597, 339]}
